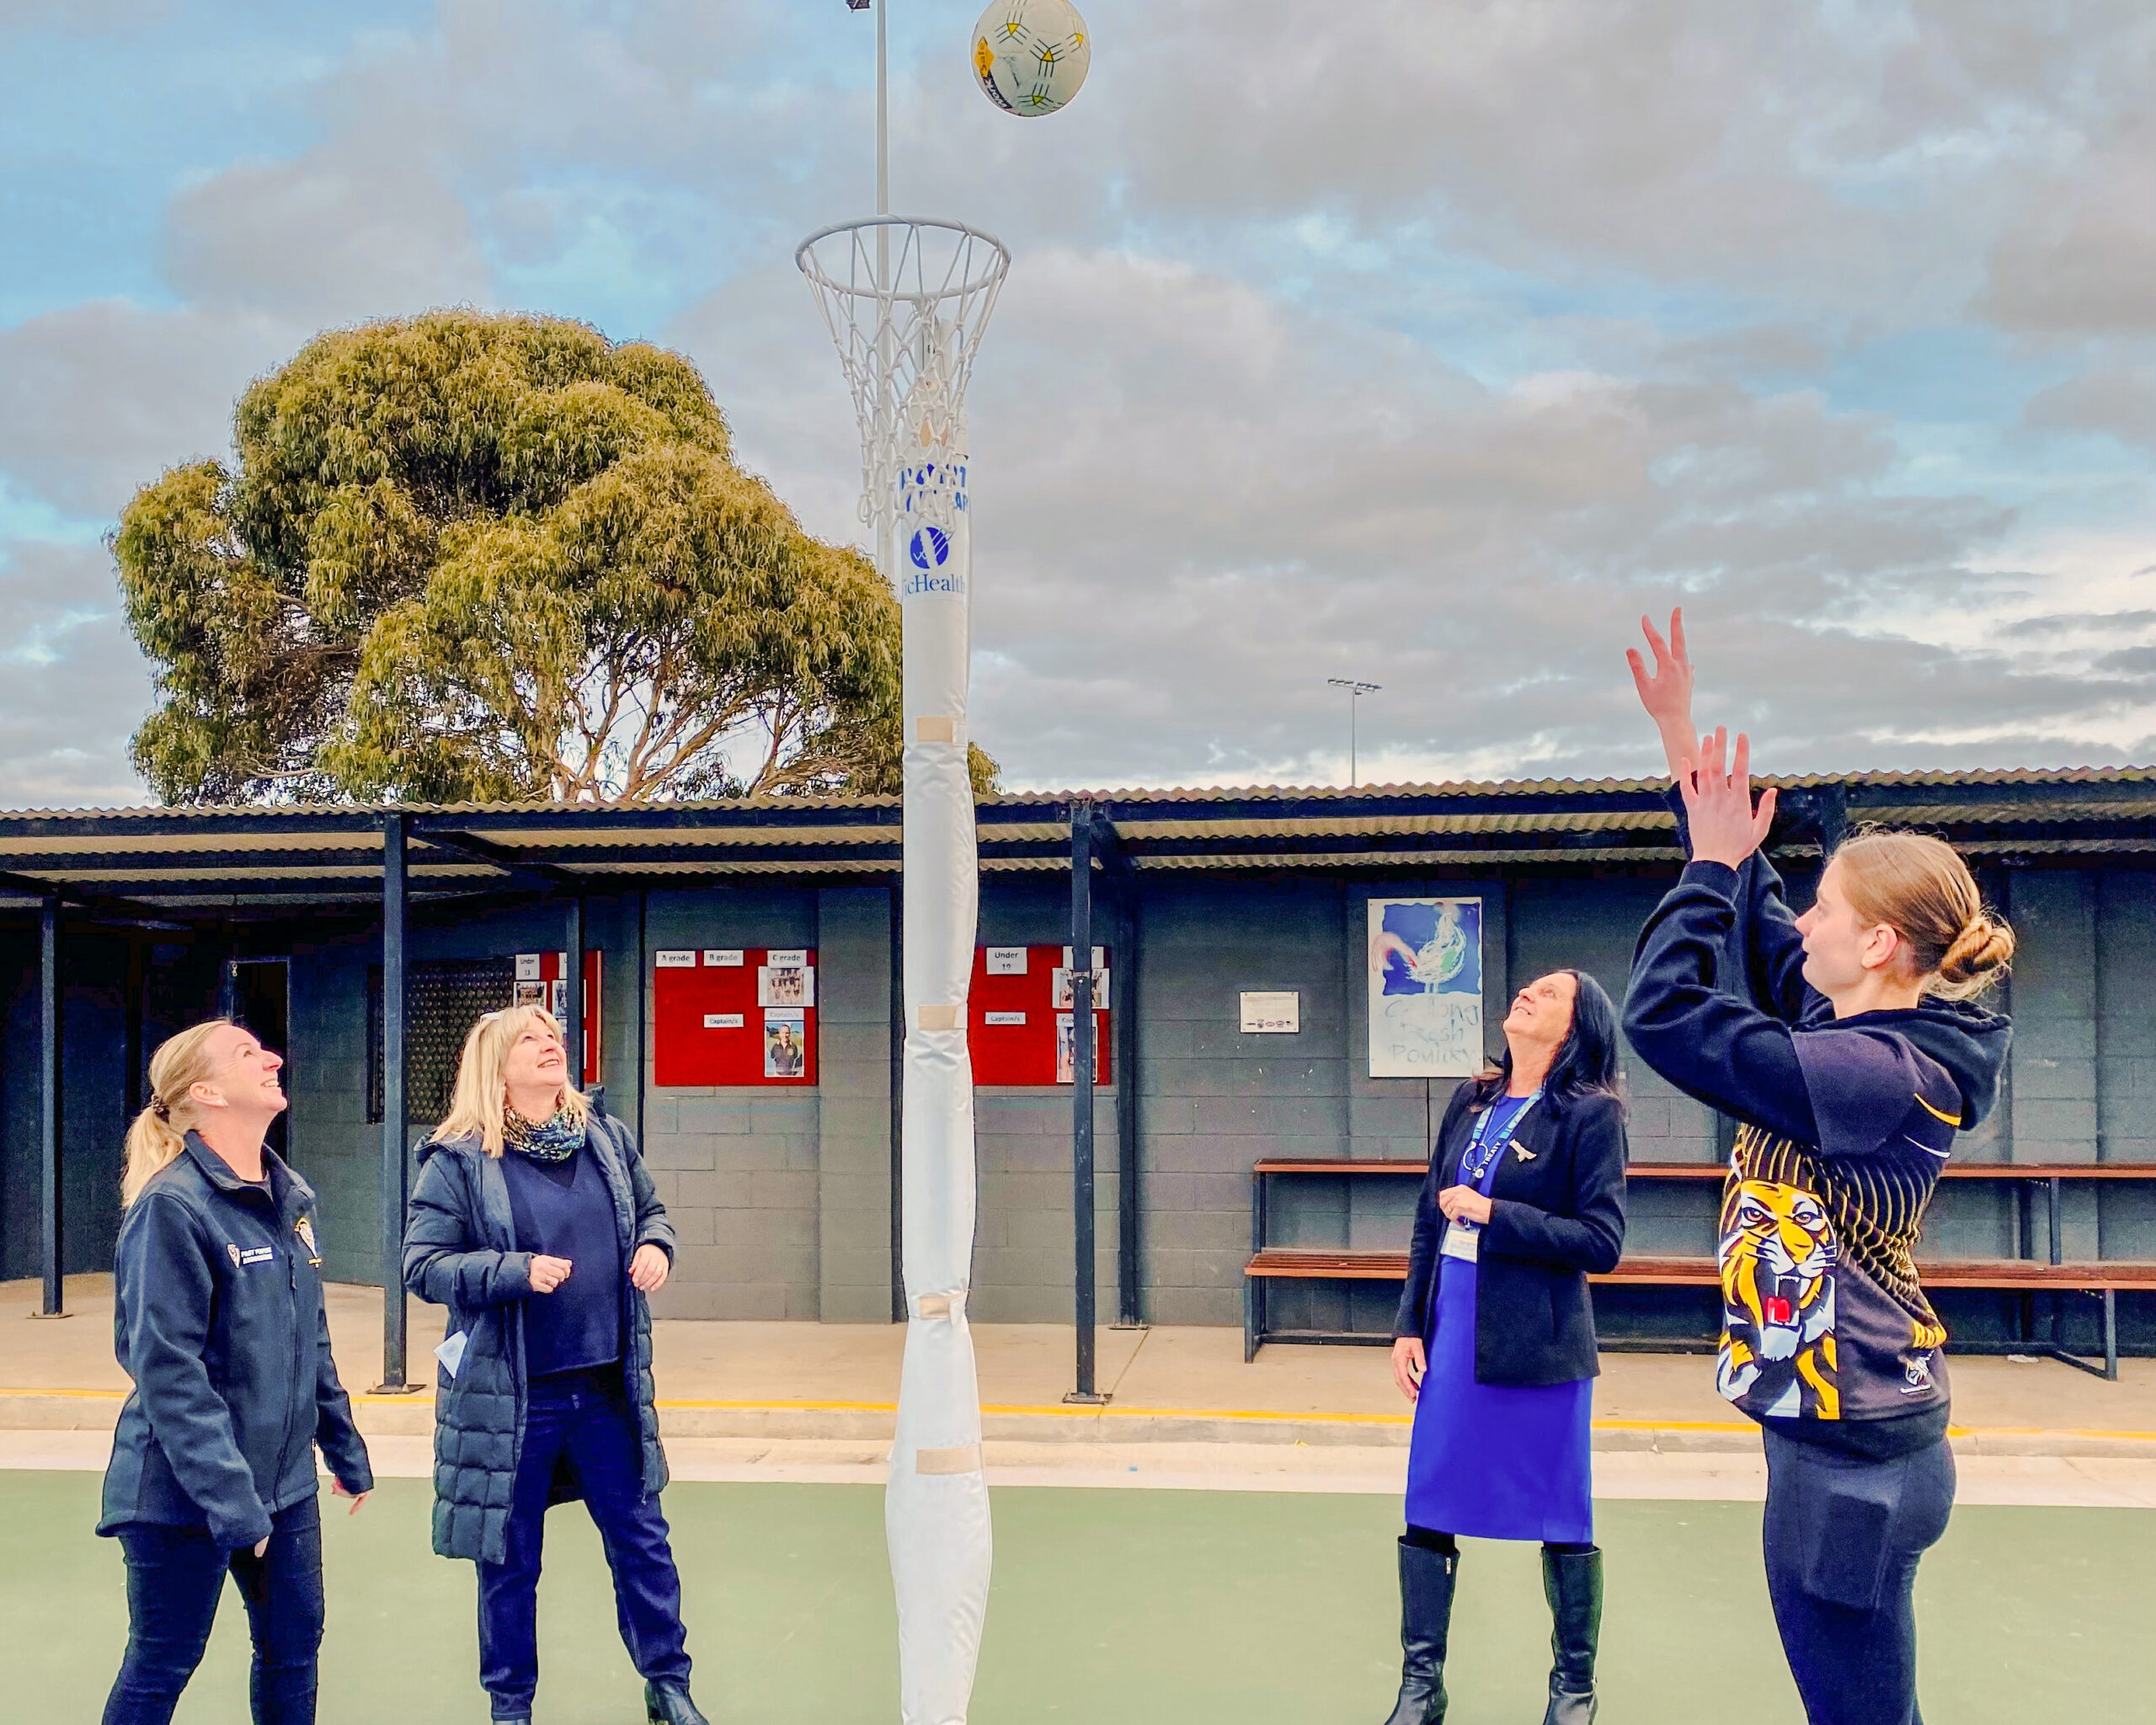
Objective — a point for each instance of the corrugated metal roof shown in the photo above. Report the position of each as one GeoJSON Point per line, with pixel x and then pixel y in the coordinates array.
{"type": "Point", "coordinates": [266, 854]}
{"type": "Point", "coordinates": [1128, 796]}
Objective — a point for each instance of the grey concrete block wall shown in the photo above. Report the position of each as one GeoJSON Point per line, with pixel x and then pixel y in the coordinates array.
{"type": "Point", "coordinates": [737, 1168]}
{"type": "Point", "coordinates": [854, 1106]}
{"type": "Point", "coordinates": [1025, 1239]}
{"type": "Point", "coordinates": [782, 1198]}
{"type": "Point", "coordinates": [2126, 1056]}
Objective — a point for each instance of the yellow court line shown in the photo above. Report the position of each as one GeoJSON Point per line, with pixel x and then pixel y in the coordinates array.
{"type": "Point", "coordinates": [1253, 1414]}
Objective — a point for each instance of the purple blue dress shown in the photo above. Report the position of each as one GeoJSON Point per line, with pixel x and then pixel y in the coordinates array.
{"type": "Point", "coordinates": [1494, 1462]}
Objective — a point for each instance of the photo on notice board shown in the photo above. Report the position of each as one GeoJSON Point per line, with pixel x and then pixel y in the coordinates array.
{"type": "Point", "coordinates": [529, 994]}
{"type": "Point", "coordinates": [1060, 981]}
{"type": "Point", "coordinates": [785, 986]}
{"type": "Point", "coordinates": [1066, 1048]}
{"type": "Point", "coordinates": [785, 1042]}
{"type": "Point", "coordinates": [1424, 969]}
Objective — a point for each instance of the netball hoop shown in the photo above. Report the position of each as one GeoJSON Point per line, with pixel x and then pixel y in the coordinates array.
{"type": "Point", "coordinates": [906, 302]}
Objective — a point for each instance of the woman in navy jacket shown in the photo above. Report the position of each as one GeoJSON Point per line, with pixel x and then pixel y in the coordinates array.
{"type": "Point", "coordinates": [1494, 1342]}
{"type": "Point", "coordinates": [219, 1320]}
{"type": "Point", "coordinates": [534, 1223]}
{"type": "Point", "coordinates": [1844, 1045]}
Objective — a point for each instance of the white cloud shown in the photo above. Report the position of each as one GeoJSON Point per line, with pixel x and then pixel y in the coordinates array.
{"type": "Point", "coordinates": [1428, 345]}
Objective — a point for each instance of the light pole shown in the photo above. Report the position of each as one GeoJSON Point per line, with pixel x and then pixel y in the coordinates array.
{"type": "Point", "coordinates": [1355, 692]}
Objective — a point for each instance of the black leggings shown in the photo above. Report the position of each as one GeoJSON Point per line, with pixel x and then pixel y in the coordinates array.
{"type": "Point", "coordinates": [1844, 1536]}
{"type": "Point", "coordinates": [1429, 1539]}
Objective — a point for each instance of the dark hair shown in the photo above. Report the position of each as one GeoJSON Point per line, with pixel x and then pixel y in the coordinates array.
{"type": "Point", "coordinates": [1586, 1059]}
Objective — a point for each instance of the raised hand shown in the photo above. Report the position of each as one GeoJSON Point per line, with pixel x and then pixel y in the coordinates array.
{"type": "Point", "coordinates": [1667, 692]}
{"type": "Point", "coordinates": [1726, 827]}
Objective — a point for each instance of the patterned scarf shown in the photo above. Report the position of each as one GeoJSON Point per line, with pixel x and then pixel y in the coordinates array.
{"type": "Point", "coordinates": [554, 1140]}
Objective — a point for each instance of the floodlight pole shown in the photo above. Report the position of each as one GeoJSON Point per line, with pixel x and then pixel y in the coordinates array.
{"type": "Point", "coordinates": [1355, 692]}
{"type": "Point", "coordinates": [882, 144]}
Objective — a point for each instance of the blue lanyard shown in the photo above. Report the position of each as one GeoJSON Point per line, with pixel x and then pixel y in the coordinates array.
{"type": "Point", "coordinates": [1475, 1163]}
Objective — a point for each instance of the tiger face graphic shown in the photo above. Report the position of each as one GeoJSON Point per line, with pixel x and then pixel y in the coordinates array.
{"type": "Point", "coordinates": [1778, 1255]}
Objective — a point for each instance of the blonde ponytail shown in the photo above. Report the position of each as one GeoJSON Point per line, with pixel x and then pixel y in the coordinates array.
{"type": "Point", "coordinates": [159, 1132]}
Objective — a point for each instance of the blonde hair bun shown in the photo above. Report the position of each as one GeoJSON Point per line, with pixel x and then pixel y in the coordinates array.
{"type": "Point", "coordinates": [1980, 954]}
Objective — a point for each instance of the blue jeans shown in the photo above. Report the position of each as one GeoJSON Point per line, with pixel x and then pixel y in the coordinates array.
{"type": "Point", "coordinates": [582, 1419]}
{"type": "Point", "coordinates": [1843, 1537]}
{"type": "Point", "coordinates": [175, 1576]}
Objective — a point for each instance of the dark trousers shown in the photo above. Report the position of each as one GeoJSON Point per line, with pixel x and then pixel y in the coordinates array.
{"type": "Point", "coordinates": [175, 1576]}
{"type": "Point", "coordinates": [1844, 1536]}
{"type": "Point", "coordinates": [582, 1419]}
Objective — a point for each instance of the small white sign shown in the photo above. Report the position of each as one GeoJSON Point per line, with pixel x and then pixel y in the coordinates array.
{"type": "Point", "coordinates": [1100, 958]}
{"type": "Point", "coordinates": [1006, 961]}
{"type": "Point", "coordinates": [725, 1021]}
{"type": "Point", "coordinates": [1272, 1014]}
{"type": "Point", "coordinates": [664, 961]}
{"type": "Point", "coordinates": [1007, 1018]}
{"type": "Point", "coordinates": [527, 967]}
{"type": "Point", "coordinates": [787, 958]}
{"type": "Point", "coordinates": [724, 956]}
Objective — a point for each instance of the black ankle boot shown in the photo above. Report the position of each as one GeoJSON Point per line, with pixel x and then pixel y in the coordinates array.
{"type": "Point", "coordinates": [1426, 1579]}
{"type": "Point", "coordinates": [669, 1704]}
{"type": "Point", "coordinates": [1572, 1583]}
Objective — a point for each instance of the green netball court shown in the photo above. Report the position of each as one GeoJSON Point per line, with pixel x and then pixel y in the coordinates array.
{"type": "Point", "coordinates": [1125, 1606]}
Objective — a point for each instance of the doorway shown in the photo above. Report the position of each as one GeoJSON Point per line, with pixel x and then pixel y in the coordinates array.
{"type": "Point", "coordinates": [258, 996]}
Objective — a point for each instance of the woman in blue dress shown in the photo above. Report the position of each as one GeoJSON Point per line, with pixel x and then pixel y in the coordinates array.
{"type": "Point", "coordinates": [1495, 1344]}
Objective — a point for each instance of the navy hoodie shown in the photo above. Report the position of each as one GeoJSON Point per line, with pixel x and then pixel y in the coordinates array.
{"type": "Point", "coordinates": [1843, 1125]}
{"type": "Point", "coordinates": [220, 1321]}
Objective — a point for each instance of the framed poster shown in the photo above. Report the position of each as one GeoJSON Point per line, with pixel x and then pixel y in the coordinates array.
{"type": "Point", "coordinates": [1424, 969]}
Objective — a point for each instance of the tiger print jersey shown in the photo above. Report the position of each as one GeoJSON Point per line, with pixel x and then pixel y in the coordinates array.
{"type": "Point", "coordinates": [1822, 1314]}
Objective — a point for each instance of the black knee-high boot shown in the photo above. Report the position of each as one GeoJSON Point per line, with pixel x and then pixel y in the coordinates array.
{"type": "Point", "coordinates": [1571, 1581]}
{"type": "Point", "coordinates": [1426, 1579]}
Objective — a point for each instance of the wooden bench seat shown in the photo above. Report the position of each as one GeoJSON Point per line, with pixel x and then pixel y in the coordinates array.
{"type": "Point", "coordinates": [2104, 1280]}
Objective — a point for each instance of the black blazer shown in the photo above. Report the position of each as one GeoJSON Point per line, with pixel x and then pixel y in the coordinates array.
{"type": "Point", "coordinates": [1556, 1215]}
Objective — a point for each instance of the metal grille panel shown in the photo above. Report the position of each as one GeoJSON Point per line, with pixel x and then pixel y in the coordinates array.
{"type": "Point", "coordinates": [447, 995]}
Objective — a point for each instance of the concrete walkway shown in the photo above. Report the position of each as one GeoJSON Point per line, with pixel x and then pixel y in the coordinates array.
{"type": "Point", "coordinates": [837, 1383]}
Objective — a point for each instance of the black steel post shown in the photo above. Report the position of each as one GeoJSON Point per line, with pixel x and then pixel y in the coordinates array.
{"type": "Point", "coordinates": [643, 1006]}
{"type": "Point", "coordinates": [51, 1243]}
{"type": "Point", "coordinates": [573, 991]}
{"type": "Point", "coordinates": [395, 1125]}
{"type": "Point", "coordinates": [898, 992]}
{"type": "Point", "coordinates": [1081, 1093]}
{"type": "Point", "coordinates": [1123, 1031]}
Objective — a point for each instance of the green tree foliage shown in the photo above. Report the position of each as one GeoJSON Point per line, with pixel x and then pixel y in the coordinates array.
{"type": "Point", "coordinates": [494, 557]}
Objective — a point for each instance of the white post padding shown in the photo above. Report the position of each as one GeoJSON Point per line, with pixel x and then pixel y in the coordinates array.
{"type": "Point", "coordinates": [935, 1514]}
{"type": "Point", "coordinates": [907, 314]}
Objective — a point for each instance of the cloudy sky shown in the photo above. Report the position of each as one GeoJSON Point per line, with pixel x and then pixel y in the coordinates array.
{"type": "Point", "coordinates": [1426, 342]}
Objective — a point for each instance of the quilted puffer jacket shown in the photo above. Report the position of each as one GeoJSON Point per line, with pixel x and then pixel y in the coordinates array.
{"type": "Point", "coordinates": [460, 1251]}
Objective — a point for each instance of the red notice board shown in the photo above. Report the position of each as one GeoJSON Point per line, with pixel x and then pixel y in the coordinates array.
{"type": "Point", "coordinates": [1019, 1017]}
{"type": "Point", "coordinates": [539, 984]}
{"type": "Point", "coordinates": [735, 1014]}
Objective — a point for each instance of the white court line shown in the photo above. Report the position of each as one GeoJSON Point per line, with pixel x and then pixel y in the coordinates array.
{"type": "Point", "coordinates": [2063, 1482]}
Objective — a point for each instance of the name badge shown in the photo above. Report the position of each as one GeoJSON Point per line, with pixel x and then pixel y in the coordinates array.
{"type": "Point", "coordinates": [1462, 1241]}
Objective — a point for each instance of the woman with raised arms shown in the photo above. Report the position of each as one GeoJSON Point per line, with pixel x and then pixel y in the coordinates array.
{"type": "Point", "coordinates": [1845, 1045]}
